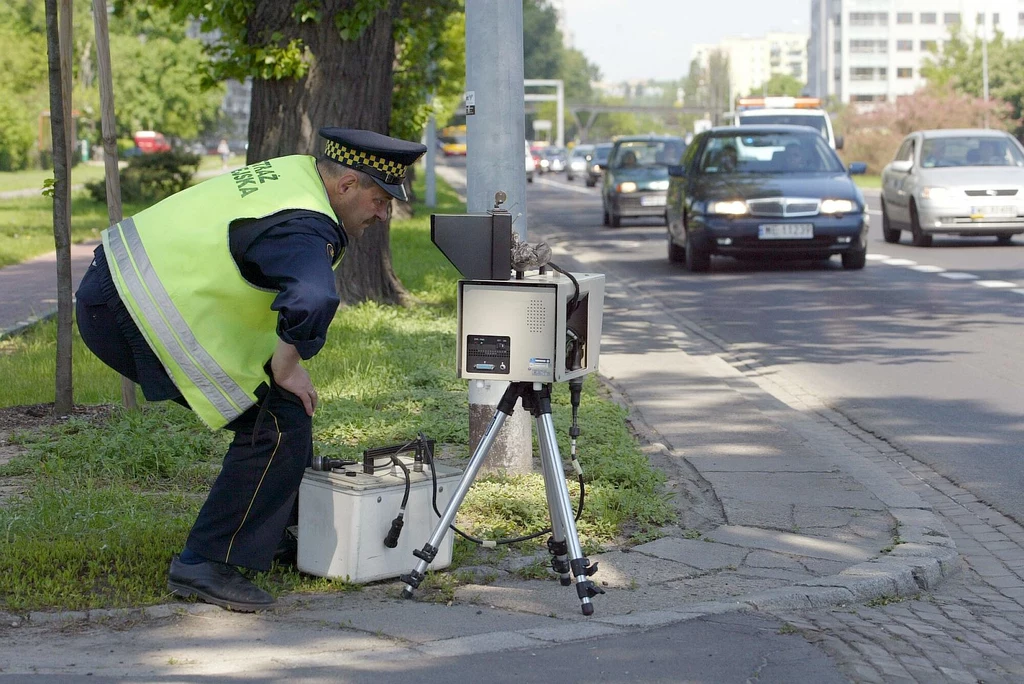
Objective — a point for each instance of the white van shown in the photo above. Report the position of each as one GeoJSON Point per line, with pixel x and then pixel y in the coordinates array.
{"type": "Point", "coordinates": [794, 111]}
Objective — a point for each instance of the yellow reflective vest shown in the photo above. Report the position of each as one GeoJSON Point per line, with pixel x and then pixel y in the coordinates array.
{"type": "Point", "coordinates": [211, 329]}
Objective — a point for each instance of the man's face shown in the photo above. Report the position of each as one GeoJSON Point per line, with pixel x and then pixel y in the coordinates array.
{"type": "Point", "coordinates": [359, 207]}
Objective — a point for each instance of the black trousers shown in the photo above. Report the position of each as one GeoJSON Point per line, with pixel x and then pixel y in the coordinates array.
{"type": "Point", "coordinates": [254, 498]}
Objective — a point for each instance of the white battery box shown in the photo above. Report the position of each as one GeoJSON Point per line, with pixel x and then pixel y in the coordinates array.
{"type": "Point", "coordinates": [345, 514]}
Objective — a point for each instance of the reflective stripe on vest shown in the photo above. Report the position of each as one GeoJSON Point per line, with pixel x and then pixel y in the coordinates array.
{"type": "Point", "coordinates": [156, 306]}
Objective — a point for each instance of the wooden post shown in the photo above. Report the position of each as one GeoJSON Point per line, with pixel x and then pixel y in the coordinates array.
{"type": "Point", "coordinates": [109, 131]}
{"type": "Point", "coordinates": [58, 40]}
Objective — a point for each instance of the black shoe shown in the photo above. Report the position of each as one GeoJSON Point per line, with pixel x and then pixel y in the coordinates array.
{"type": "Point", "coordinates": [287, 552]}
{"type": "Point", "coordinates": [217, 583]}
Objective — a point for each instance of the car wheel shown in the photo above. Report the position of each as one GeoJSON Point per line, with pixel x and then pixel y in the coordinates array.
{"type": "Point", "coordinates": [616, 220]}
{"type": "Point", "coordinates": [921, 239]}
{"type": "Point", "coordinates": [855, 260]}
{"type": "Point", "coordinates": [697, 260]}
{"type": "Point", "coordinates": [591, 183]}
{"type": "Point", "coordinates": [891, 235]}
{"type": "Point", "coordinates": [606, 220]}
{"type": "Point", "coordinates": [1004, 238]}
{"type": "Point", "coordinates": [676, 254]}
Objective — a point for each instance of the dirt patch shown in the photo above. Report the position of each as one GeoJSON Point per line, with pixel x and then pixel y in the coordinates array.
{"type": "Point", "coordinates": [35, 416]}
{"type": "Point", "coordinates": [16, 419]}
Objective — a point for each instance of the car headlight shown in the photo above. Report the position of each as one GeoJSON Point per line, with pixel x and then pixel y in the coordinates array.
{"type": "Point", "coordinates": [628, 186]}
{"type": "Point", "coordinates": [659, 185]}
{"type": "Point", "coordinates": [729, 208]}
{"type": "Point", "coordinates": [836, 206]}
{"type": "Point", "coordinates": [934, 193]}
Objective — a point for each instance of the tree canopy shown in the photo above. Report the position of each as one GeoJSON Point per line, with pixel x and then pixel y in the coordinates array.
{"type": "Point", "coordinates": [959, 66]}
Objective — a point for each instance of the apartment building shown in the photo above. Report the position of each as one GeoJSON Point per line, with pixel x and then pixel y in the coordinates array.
{"type": "Point", "coordinates": [865, 51]}
{"type": "Point", "coordinates": [752, 61]}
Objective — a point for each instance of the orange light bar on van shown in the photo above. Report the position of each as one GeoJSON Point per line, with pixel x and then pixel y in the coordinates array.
{"type": "Point", "coordinates": [778, 103]}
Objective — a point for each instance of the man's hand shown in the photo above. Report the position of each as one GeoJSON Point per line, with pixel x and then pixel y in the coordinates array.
{"type": "Point", "coordinates": [290, 375]}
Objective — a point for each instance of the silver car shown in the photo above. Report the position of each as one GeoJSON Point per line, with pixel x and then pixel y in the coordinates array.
{"type": "Point", "coordinates": [954, 182]}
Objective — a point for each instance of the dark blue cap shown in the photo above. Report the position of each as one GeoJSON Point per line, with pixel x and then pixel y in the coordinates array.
{"type": "Point", "coordinates": [383, 158]}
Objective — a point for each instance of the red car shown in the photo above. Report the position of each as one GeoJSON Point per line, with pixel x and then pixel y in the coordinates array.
{"type": "Point", "coordinates": [151, 141]}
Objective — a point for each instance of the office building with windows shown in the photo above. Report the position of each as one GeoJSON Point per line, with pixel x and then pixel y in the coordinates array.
{"type": "Point", "coordinates": [865, 51]}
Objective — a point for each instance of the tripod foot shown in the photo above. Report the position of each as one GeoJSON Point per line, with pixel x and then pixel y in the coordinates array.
{"type": "Point", "coordinates": [407, 593]}
{"type": "Point", "coordinates": [588, 608]}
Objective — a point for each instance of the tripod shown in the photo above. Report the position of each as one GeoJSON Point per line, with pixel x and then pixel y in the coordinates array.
{"type": "Point", "coordinates": [564, 545]}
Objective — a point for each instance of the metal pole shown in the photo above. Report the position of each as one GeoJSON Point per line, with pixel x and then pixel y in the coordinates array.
{"type": "Point", "coordinates": [495, 144]}
{"type": "Point", "coordinates": [984, 63]}
{"type": "Point", "coordinates": [561, 113]}
{"type": "Point", "coordinates": [431, 174]}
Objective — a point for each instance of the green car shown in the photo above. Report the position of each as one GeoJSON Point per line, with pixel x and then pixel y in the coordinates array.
{"type": "Point", "coordinates": [636, 176]}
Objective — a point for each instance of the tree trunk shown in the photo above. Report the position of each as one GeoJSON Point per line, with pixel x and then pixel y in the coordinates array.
{"type": "Point", "coordinates": [58, 39]}
{"type": "Point", "coordinates": [349, 84]}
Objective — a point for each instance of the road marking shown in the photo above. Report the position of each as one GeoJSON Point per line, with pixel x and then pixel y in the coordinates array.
{"type": "Point", "coordinates": [996, 283]}
{"type": "Point", "coordinates": [878, 257]}
{"type": "Point", "coordinates": [1020, 292]}
{"type": "Point", "coordinates": [899, 262]}
{"type": "Point", "coordinates": [564, 186]}
{"type": "Point", "coordinates": [925, 268]}
{"type": "Point", "coordinates": [957, 275]}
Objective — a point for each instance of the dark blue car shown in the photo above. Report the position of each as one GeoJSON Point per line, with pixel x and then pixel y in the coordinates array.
{"type": "Point", "coordinates": [764, 192]}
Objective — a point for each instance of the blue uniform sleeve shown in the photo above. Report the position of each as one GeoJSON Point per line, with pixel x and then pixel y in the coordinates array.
{"type": "Point", "coordinates": [295, 257]}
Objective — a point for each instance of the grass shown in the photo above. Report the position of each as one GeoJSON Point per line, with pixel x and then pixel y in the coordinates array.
{"type": "Point", "coordinates": [32, 179]}
{"type": "Point", "coordinates": [26, 223]}
{"type": "Point", "coordinates": [868, 181]}
{"type": "Point", "coordinates": [108, 500]}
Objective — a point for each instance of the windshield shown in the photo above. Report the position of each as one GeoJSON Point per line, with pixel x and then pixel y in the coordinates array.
{"type": "Point", "coordinates": [637, 153]}
{"type": "Point", "coordinates": [970, 151]}
{"type": "Point", "coordinates": [815, 122]}
{"type": "Point", "coordinates": [768, 152]}
{"type": "Point", "coordinates": [601, 153]}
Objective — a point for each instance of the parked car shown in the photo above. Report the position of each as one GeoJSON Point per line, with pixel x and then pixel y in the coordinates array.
{"type": "Point", "coordinates": [599, 158]}
{"type": "Point", "coordinates": [636, 176]}
{"type": "Point", "coordinates": [151, 141]}
{"type": "Point", "coordinates": [954, 182]}
{"type": "Point", "coordinates": [531, 164]}
{"type": "Point", "coordinates": [764, 192]}
{"type": "Point", "coordinates": [579, 158]}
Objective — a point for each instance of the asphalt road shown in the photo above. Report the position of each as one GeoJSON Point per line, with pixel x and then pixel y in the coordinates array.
{"type": "Point", "coordinates": [922, 347]}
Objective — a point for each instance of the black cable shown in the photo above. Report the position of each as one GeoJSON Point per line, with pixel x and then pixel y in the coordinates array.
{"type": "Point", "coordinates": [575, 301]}
{"type": "Point", "coordinates": [391, 539]}
{"type": "Point", "coordinates": [494, 542]}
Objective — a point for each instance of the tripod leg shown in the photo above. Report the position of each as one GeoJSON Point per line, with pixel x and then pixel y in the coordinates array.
{"type": "Point", "coordinates": [561, 512]}
{"type": "Point", "coordinates": [429, 550]}
{"type": "Point", "coordinates": [556, 544]}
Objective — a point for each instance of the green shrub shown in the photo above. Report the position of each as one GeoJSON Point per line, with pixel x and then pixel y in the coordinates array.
{"type": "Point", "coordinates": [16, 139]}
{"type": "Point", "coordinates": [151, 177]}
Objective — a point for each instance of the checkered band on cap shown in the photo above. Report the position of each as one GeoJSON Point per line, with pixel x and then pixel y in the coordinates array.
{"type": "Point", "coordinates": [392, 172]}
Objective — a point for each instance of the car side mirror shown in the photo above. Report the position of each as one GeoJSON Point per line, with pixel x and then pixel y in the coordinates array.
{"type": "Point", "coordinates": [901, 166]}
{"type": "Point", "coordinates": [676, 171]}
{"type": "Point", "coordinates": [857, 168]}
{"type": "Point", "coordinates": [839, 142]}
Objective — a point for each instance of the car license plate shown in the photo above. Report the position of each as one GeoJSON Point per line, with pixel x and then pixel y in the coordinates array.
{"type": "Point", "coordinates": [991, 212]}
{"type": "Point", "coordinates": [785, 231]}
{"type": "Point", "coordinates": [652, 201]}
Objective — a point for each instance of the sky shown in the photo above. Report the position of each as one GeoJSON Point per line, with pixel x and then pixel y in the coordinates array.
{"type": "Point", "coordinates": [641, 39]}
